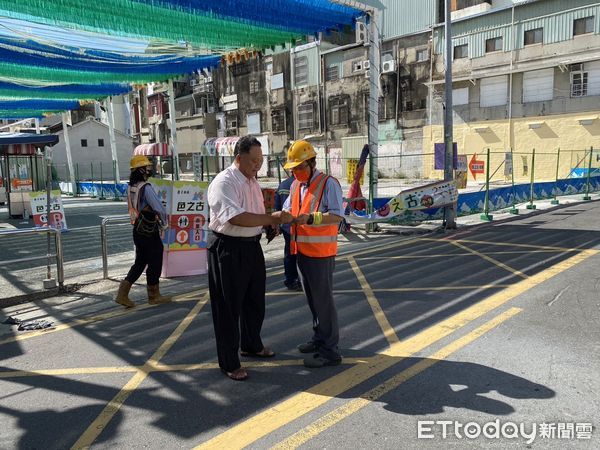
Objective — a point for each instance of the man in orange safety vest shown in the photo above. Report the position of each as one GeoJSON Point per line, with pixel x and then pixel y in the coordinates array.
{"type": "Point", "coordinates": [315, 201]}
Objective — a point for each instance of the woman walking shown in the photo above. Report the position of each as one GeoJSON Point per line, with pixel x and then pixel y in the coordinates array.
{"type": "Point", "coordinates": [147, 217]}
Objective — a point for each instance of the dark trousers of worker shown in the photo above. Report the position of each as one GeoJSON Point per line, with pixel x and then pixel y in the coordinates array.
{"type": "Point", "coordinates": [236, 281]}
{"type": "Point", "coordinates": [289, 261]}
{"type": "Point", "coordinates": [148, 253]}
{"type": "Point", "coordinates": [317, 281]}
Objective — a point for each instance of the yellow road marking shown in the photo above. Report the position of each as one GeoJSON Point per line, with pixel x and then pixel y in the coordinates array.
{"type": "Point", "coordinates": [185, 297]}
{"type": "Point", "coordinates": [509, 244]}
{"type": "Point", "coordinates": [492, 260]}
{"type": "Point", "coordinates": [180, 298]}
{"type": "Point", "coordinates": [406, 289]}
{"type": "Point", "coordinates": [449, 255]}
{"type": "Point", "coordinates": [258, 426]}
{"type": "Point", "coordinates": [374, 248]}
{"type": "Point", "coordinates": [384, 324]}
{"type": "Point", "coordinates": [351, 407]}
{"type": "Point", "coordinates": [94, 430]}
{"type": "Point", "coordinates": [158, 367]}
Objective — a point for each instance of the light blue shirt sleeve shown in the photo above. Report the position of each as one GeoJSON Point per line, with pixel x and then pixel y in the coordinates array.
{"type": "Point", "coordinates": [152, 200]}
{"type": "Point", "coordinates": [332, 201]}
{"type": "Point", "coordinates": [287, 205]}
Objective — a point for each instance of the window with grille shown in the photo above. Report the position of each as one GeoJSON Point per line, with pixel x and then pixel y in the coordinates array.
{"type": "Point", "coordinates": [493, 45]}
{"type": "Point", "coordinates": [253, 86]}
{"type": "Point", "coordinates": [579, 84]}
{"type": "Point", "coordinates": [422, 55]}
{"type": "Point", "coordinates": [100, 142]}
{"type": "Point", "coordinates": [278, 121]}
{"type": "Point", "coordinates": [232, 123]}
{"type": "Point", "coordinates": [332, 73]}
{"type": "Point", "coordinates": [382, 108]}
{"type": "Point", "coordinates": [535, 36]}
{"type": "Point", "coordinates": [357, 66]}
{"type": "Point", "coordinates": [461, 51]}
{"type": "Point", "coordinates": [339, 111]}
{"type": "Point", "coordinates": [584, 25]}
{"type": "Point", "coordinates": [301, 71]}
{"type": "Point", "coordinates": [305, 116]}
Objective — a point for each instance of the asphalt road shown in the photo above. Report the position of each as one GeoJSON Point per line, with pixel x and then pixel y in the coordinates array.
{"type": "Point", "coordinates": [492, 326]}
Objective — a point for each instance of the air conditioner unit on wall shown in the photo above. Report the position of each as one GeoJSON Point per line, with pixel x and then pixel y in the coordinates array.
{"type": "Point", "coordinates": [366, 64]}
{"type": "Point", "coordinates": [368, 73]}
{"type": "Point", "coordinates": [362, 34]}
{"type": "Point", "coordinates": [388, 66]}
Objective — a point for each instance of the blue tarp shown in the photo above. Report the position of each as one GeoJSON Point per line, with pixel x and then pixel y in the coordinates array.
{"type": "Point", "coordinates": [28, 138]}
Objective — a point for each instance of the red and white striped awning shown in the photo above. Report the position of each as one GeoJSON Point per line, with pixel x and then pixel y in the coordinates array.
{"type": "Point", "coordinates": [223, 146]}
{"type": "Point", "coordinates": [154, 149]}
{"type": "Point", "coordinates": [19, 149]}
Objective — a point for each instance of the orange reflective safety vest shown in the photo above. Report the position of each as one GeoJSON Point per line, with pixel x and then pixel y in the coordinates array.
{"type": "Point", "coordinates": [133, 204]}
{"type": "Point", "coordinates": [317, 241]}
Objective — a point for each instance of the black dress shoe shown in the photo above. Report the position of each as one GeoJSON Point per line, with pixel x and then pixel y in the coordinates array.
{"type": "Point", "coordinates": [308, 347]}
{"type": "Point", "coordinates": [316, 360]}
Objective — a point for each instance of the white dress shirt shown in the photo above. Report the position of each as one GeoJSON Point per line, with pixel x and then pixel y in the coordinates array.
{"type": "Point", "coordinates": [230, 194]}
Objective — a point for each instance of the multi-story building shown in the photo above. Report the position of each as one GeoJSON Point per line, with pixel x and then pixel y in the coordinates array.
{"type": "Point", "coordinates": [526, 75]}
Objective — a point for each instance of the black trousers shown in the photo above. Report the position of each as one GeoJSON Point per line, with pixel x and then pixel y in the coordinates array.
{"type": "Point", "coordinates": [236, 281]}
{"type": "Point", "coordinates": [289, 260]}
{"type": "Point", "coordinates": [148, 252]}
{"type": "Point", "coordinates": [317, 281]}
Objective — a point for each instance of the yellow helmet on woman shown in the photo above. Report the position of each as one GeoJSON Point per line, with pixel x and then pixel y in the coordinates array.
{"type": "Point", "coordinates": [299, 152]}
{"type": "Point", "coordinates": [139, 161]}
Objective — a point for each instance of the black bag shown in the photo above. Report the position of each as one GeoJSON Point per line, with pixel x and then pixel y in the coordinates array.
{"type": "Point", "coordinates": [146, 224]}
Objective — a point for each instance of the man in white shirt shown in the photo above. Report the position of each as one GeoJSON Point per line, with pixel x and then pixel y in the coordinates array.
{"type": "Point", "coordinates": [236, 264]}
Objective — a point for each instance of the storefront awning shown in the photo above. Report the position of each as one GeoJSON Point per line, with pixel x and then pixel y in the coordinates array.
{"type": "Point", "coordinates": [28, 138]}
{"type": "Point", "coordinates": [154, 149]}
{"type": "Point", "coordinates": [19, 149]}
{"type": "Point", "coordinates": [223, 146]}
{"type": "Point", "coordinates": [24, 143]}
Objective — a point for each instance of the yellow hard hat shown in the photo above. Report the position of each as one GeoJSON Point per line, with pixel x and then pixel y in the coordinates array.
{"type": "Point", "coordinates": [299, 152]}
{"type": "Point", "coordinates": [139, 161]}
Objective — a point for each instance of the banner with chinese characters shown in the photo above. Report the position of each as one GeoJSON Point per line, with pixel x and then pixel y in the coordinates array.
{"type": "Point", "coordinates": [188, 216]}
{"type": "Point", "coordinates": [430, 196]}
{"type": "Point", "coordinates": [39, 210]}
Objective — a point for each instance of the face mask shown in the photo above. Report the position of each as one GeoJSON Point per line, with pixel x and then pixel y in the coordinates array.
{"type": "Point", "coordinates": [303, 176]}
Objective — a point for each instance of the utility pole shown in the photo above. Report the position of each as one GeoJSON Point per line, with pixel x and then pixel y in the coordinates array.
{"type": "Point", "coordinates": [372, 10]}
{"type": "Point", "coordinates": [449, 211]}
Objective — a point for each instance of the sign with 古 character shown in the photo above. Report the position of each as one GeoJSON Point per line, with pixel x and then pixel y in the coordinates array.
{"type": "Point", "coordinates": [186, 233]}
{"type": "Point", "coordinates": [189, 211]}
{"type": "Point", "coordinates": [434, 195]}
{"type": "Point", "coordinates": [39, 210]}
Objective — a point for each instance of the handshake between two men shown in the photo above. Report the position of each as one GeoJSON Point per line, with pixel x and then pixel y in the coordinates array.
{"type": "Point", "coordinates": [285, 218]}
